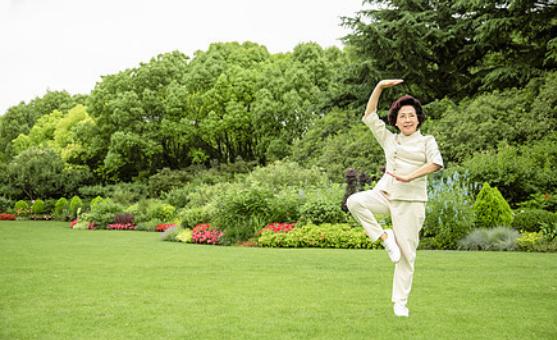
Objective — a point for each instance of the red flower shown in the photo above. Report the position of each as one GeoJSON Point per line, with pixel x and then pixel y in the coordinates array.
{"type": "Point", "coordinates": [204, 233]}
{"type": "Point", "coordinates": [163, 226]}
{"type": "Point", "coordinates": [277, 228]}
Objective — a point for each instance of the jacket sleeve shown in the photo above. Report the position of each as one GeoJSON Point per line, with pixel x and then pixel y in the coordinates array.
{"type": "Point", "coordinates": [377, 127]}
{"type": "Point", "coordinates": [432, 152]}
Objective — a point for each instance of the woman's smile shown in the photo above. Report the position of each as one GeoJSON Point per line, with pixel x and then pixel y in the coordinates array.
{"type": "Point", "coordinates": [407, 120]}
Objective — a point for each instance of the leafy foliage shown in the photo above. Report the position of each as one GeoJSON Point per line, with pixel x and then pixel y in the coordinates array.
{"type": "Point", "coordinates": [320, 236]}
{"type": "Point", "coordinates": [531, 220]}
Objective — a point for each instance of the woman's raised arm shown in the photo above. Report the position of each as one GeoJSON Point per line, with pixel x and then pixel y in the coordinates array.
{"type": "Point", "coordinates": [374, 98]}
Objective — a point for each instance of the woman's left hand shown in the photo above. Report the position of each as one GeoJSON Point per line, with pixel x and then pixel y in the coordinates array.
{"type": "Point", "coordinates": [401, 178]}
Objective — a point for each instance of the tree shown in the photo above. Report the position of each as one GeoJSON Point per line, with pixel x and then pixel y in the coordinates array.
{"type": "Point", "coordinates": [514, 116]}
{"type": "Point", "coordinates": [20, 119]}
{"type": "Point", "coordinates": [36, 172]}
{"type": "Point", "coordinates": [453, 48]}
{"type": "Point", "coordinates": [491, 209]}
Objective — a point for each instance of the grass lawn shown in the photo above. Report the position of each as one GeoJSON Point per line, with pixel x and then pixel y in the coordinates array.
{"type": "Point", "coordinates": [57, 283]}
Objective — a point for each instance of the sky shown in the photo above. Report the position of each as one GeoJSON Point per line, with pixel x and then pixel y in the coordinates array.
{"type": "Point", "coordinates": [69, 44]}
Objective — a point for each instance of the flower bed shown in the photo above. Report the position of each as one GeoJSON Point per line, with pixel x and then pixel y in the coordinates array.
{"type": "Point", "coordinates": [277, 228]}
{"type": "Point", "coordinates": [73, 223]}
{"type": "Point", "coordinates": [163, 226]}
{"type": "Point", "coordinates": [206, 234]}
{"type": "Point", "coordinates": [7, 217]}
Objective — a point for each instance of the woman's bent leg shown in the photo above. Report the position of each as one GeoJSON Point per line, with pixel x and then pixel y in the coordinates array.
{"type": "Point", "coordinates": [408, 218]}
{"type": "Point", "coordinates": [363, 205]}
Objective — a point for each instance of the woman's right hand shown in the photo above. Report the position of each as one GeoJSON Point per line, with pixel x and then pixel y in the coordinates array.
{"type": "Point", "coordinates": [389, 83]}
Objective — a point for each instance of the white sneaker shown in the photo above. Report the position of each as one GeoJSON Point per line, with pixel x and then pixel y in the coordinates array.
{"type": "Point", "coordinates": [391, 247]}
{"type": "Point", "coordinates": [401, 310]}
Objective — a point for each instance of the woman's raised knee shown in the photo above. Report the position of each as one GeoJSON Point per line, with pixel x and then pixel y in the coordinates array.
{"type": "Point", "coordinates": [352, 201]}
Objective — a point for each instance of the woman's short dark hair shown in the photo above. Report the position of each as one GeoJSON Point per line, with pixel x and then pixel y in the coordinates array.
{"type": "Point", "coordinates": [403, 101]}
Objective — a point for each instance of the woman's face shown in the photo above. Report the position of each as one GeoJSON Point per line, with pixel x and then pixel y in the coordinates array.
{"type": "Point", "coordinates": [407, 120]}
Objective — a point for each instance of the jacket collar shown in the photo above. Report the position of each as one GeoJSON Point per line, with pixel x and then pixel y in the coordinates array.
{"type": "Point", "coordinates": [402, 139]}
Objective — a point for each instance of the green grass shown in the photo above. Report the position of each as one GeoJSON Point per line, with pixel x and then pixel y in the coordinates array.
{"type": "Point", "coordinates": [56, 283]}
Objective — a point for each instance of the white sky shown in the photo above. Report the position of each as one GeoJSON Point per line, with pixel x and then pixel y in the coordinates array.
{"type": "Point", "coordinates": [69, 44]}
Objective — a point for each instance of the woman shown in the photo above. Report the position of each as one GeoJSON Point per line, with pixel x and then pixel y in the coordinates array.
{"type": "Point", "coordinates": [402, 191]}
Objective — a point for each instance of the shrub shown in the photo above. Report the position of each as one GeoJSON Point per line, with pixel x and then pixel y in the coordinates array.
{"type": "Point", "coordinates": [21, 208]}
{"type": "Point", "coordinates": [323, 205]}
{"type": "Point", "coordinates": [531, 219]}
{"type": "Point", "coordinates": [162, 211]}
{"type": "Point", "coordinates": [150, 225]}
{"type": "Point", "coordinates": [323, 236]}
{"type": "Point", "coordinates": [5, 204]}
{"type": "Point", "coordinates": [120, 226]}
{"type": "Point", "coordinates": [206, 234]}
{"type": "Point", "coordinates": [518, 171]}
{"type": "Point", "coordinates": [122, 193]}
{"type": "Point", "coordinates": [7, 217]}
{"type": "Point", "coordinates": [281, 174]}
{"type": "Point", "coordinates": [549, 231]}
{"type": "Point", "coordinates": [540, 201]}
{"type": "Point", "coordinates": [184, 235]}
{"type": "Point", "coordinates": [178, 197]}
{"type": "Point", "coordinates": [75, 204]}
{"type": "Point", "coordinates": [191, 217]}
{"type": "Point", "coordinates": [96, 201]}
{"type": "Point", "coordinates": [38, 207]}
{"type": "Point", "coordinates": [49, 206]}
{"type": "Point", "coordinates": [320, 210]}
{"type": "Point", "coordinates": [499, 238]}
{"type": "Point", "coordinates": [284, 205]}
{"type": "Point", "coordinates": [449, 212]}
{"type": "Point", "coordinates": [241, 211]}
{"type": "Point", "coordinates": [491, 209]}
{"type": "Point", "coordinates": [166, 180]}
{"type": "Point", "coordinates": [528, 240]}
{"type": "Point", "coordinates": [61, 208]}
{"type": "Point", "coordinates": [123, 218]}
{"type": "Point", "coordinates": [103, 213]}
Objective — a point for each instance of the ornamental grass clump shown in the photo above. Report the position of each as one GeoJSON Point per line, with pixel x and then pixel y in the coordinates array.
{"type": "Point", "coordinates": [498, 238]}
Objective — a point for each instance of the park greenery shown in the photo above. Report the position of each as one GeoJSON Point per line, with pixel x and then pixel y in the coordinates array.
{"type": "Point", "coordinates": [238, 137]}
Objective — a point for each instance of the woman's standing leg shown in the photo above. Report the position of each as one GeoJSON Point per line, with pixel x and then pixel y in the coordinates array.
{"type": "Point", "coordinates": [408, 218]}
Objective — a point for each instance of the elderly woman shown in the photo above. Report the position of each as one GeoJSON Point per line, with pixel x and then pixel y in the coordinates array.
{"type": "Point", "coordinates": [402, 191]}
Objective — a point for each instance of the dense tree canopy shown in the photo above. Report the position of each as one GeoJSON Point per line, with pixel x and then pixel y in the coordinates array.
{"type": "Point", "coordinates": [486, 70]}
{"type": "Point", "coordinates": [453, 48]}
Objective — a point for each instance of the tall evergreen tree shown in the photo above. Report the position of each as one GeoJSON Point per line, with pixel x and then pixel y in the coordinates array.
{"type": "Point", "coordinates": [453, 48]}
